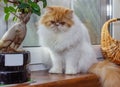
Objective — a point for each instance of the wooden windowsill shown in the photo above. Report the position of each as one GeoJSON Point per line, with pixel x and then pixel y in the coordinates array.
{"type": "Point", "coordinates": [43, 79]}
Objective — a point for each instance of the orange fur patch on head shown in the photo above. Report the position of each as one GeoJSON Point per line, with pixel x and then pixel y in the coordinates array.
{"type": "Point", "coordinates": [59, 15]}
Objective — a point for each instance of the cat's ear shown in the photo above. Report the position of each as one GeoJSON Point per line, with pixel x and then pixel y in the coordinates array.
{"type": "Point", "coordinates": [49, 9]}
{"type": "Point", "coordinates": [69, 13]}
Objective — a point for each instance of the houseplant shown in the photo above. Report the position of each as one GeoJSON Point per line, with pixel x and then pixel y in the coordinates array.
{"type": "Point", "coordinates": [14, 61]}
{"type": "Point", "coordinates": [22, 10]}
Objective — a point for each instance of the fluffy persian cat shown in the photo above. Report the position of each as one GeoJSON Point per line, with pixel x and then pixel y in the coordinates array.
{"type": "Point", "coordinates": [71, 52]}
{"type": "Point", "coordinates": [70, 49]}
{"type": "Point", "coordinates": [68, 39]}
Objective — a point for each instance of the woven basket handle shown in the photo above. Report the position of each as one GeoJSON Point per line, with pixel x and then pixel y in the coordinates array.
{"type": "Point", "coordinates": [109, 46]}
{"type": "Point", "coordinates": [105, 36]}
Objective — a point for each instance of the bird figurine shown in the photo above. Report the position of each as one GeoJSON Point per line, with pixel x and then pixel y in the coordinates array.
{"type": "Point", "coordinates": [13, 38]}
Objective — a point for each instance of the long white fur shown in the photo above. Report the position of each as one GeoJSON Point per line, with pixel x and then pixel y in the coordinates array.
{"type": "Point", "coordinates": [71, 49]}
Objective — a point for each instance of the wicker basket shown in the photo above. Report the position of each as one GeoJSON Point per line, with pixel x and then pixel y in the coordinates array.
{"type": "Point", "coordinates": [109, 46]}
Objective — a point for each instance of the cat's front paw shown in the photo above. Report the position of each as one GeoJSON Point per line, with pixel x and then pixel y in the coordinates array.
{"type": "Point", "coordinates": [55, 70]}
{"type": "Point", "coordinates": [70, 71]}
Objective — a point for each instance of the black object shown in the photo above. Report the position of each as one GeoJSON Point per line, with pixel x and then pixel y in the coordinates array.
{"type": "Point", "coordinates": [14, 73]}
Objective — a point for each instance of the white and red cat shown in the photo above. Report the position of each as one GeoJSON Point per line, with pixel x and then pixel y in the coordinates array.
{"type": "Point", "coordinates": [71, 51]}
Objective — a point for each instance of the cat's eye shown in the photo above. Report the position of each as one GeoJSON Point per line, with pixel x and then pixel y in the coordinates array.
{"type": "Point", "coordinates": [53, 22]}
{"type": "Point", "coordinates": [62, 23]}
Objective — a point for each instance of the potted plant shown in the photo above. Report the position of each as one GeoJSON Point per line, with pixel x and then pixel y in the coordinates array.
{"type": "Point", "coordinates": [13, 60]}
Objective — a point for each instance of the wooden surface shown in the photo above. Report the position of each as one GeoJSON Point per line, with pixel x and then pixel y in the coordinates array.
{"type": "Point", "coordinates": [43, 79]}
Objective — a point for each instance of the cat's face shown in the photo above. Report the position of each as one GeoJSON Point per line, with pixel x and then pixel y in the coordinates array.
{"type": "Point", "coordinates": [58, 19]}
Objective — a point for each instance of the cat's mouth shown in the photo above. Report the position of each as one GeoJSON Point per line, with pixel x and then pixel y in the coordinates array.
{"type": "Point", "coordinates": [59, 29]}
{"type": "Point", "coordinates": [56, 29]}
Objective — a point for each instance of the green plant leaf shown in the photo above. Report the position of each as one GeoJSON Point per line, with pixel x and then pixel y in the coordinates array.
{"type": "Point", "coordinates": [29, 1]}
{"type": "Point", "coordinates": [35, 6]}
{"type": "Point", "coordinates": [5, 1]}
{"type": "Point", "coordinates": [6, 10]}
{"type": "Point", "coordinates": [14, 18]}
{"type": "Point", "coordinates": [7, 15]}
{"type": "Point", "coordinates": [12, 9]}
{"type": "Point", "coordinates": [23, 5]}
{"type": "Point", "coordinates": [9, 9]}
{"type": "Point", "coordinates": [36, 12]}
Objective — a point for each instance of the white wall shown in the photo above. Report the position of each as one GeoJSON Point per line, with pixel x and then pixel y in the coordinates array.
{"type": "Point", "coordinates": [116, 14]}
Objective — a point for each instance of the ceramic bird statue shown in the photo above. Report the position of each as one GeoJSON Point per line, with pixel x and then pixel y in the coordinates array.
{"type": "Point", "coordinates": [12, 39]}
{"type": "Point", "coordinates": [109, 46]}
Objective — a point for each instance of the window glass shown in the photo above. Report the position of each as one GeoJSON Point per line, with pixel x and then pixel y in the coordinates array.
{"type": "Point", "coordinates": [92, 14]}
{"type": "Point", "coordinates": [116, 25]}
{"type": "Point", "coordinates": [2, 22]}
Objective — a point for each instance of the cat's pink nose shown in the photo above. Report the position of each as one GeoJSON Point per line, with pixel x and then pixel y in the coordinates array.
{"type": "Point", "coordinates": [57, 24]}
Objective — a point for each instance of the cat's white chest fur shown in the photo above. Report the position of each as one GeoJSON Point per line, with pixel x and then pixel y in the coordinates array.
{"type": "Point", "coordinates": [71, 51]}
{"type": "Point", "coordinates": [48, 38]}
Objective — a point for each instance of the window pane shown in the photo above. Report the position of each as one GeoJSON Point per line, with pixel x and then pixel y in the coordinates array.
{"type": "Point", "coordinates": [116, 14]}
{"type": "Point", "coordinates": [2, 22]}
{"type": "Point", "coordinates": [31, 38]}
{"type": "Point", "coordinates": [92, 14]}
